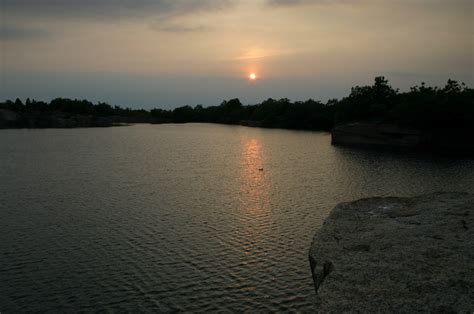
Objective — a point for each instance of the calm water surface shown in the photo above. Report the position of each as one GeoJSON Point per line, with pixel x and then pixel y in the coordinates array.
{"type": "Point", "coordinates": [180, 217]}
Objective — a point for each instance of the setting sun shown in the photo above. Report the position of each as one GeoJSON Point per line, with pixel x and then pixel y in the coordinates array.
{"type": "Point", "coordinates": [253, 76]}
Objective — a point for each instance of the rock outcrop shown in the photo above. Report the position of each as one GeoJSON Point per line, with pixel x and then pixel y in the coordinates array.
{"type": "Point", "coordinates": [396, 255]}
{"type": "Point", "coordinates": [373, 134]}
{"type": "Point", "coordinates": [395, 136]}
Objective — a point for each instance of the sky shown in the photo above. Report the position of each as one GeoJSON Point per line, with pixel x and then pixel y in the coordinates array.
{"type": "Point", "coordinates": [170, 53]}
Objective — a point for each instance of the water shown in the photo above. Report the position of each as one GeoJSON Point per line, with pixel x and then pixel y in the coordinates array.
{"type": "Point", "coordinates": [180, 217]}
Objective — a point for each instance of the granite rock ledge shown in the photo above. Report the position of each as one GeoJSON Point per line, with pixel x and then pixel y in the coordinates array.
{"type": "Point", "coordinates": [396, 255]}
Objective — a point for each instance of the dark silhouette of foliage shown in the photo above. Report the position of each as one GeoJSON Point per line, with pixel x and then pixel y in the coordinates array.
{"type": "Point", "coordinates": [421, 107]}
{"type": "Point", "coordinates": [183, 114]}
{"type": "Point", "coordinates": [367, 102]}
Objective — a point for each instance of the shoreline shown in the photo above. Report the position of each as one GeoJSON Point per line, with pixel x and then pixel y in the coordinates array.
{"type": "Point", "coordinates": [364, 135]}
{"type": "Point", "coordinates": [395, 137]}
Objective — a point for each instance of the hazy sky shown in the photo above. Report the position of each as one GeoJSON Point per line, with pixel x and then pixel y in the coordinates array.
{"type": "Point", "coordinates": [167, 53]}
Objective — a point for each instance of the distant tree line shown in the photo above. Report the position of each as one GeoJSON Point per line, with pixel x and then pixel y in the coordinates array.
{"type": "Point", "coordinates": [271, 113]}
{"type": "Point", "coordinates": [421, 107]}
{"type": "Point", "coordinates": [70, 106]}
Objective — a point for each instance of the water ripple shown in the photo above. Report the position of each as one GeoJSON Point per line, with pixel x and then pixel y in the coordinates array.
{"type": "Point", "coordinates": [181, 217]}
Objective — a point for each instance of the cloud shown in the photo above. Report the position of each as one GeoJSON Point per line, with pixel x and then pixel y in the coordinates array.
{"type": "Point", "coordinates": [176, 28]}
{"type": "Point", "coordinates": [165, 14]}
{"type": "Point", "coordinates": [109, 8]}
{"type": "Point", "coordinates": [291, 3]}
{"type": "Point", "coordinates": [259, 53]}
{"type": "Point", "coordinates": [8, 33]}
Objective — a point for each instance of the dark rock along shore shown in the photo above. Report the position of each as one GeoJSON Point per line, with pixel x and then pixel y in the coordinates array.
{"type": "Point", "coordinates": [398, 137]}
{"type": "Point", "coordinates": [396, 255]}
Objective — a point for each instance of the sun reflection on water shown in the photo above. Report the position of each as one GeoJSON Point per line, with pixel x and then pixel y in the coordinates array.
{"type": "Point", "coordinates": [256, 231]}
{"type": "Point", "coordinates": [255, 198]}
{"type": "Point", "coordinates": [253, 184]}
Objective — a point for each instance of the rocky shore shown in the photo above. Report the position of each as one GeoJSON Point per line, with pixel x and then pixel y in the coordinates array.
{"type": "Point", "coordinates": [396, 255]}
{"type": "Point", "coordinates": [394, 136]}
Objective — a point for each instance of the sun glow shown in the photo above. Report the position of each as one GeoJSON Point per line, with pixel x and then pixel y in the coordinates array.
{"type": "Point", "coordinates": [253, 76]}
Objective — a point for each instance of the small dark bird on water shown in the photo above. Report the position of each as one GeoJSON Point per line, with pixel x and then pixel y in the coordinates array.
{"type": "Point", "coordinates": [260, 169]}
